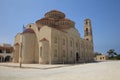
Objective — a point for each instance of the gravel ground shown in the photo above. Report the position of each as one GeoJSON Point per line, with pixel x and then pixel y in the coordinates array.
{"type": "Point", "coordinates": [109, 70]}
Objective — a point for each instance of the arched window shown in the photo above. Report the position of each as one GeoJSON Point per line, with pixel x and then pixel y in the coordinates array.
{"type": "Point", "coordinates": [86, 31]}
{"type": "Point", "coordinates": [63, 41]}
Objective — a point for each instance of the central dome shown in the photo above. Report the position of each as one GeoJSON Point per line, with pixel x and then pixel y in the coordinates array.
{"type": "Point", "coordinates": [56, 19]}
{"type": "Point", "coordinates": [55, 14]}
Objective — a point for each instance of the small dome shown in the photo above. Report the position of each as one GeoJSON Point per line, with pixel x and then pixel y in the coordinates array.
{"type": "Point", "coordinates": [28, 30]}
{"type": "Point", "coordinates": [55, 14]}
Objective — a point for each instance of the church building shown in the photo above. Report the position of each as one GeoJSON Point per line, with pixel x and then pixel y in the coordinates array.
{"type": "Point", "coordinates": [52, 40]}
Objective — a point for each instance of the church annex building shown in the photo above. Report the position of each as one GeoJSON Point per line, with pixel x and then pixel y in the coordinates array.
{"type": "Point", "coordinates": [54, 39]}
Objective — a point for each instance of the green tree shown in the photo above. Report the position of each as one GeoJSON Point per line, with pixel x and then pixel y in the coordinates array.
{"type": "Point", "coordinates": [111, 53]}
{"type": "Point", "coordinates": [118, 57]}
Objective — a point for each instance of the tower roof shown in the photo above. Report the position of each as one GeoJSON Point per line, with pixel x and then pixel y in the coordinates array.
{"type": "Point", "coordinates": [87, 19]}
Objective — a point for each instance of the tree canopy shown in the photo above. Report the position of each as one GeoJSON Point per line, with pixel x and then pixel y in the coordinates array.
{"type": "Point", "coordinates": [113, 55]}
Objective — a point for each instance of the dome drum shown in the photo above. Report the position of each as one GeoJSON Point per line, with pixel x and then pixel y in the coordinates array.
{"type": "Point", "coordinates": [55, 19]}
{"type": "Point", "coordinates": [55, 14]}
{"type": "Point", "coordinates": [67, 23]}
{"type": "Point", "coordinates": [45, 21]}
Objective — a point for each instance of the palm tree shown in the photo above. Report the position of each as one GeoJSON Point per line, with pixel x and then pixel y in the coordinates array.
{"type": "Point", "coordinates": [111, 53]}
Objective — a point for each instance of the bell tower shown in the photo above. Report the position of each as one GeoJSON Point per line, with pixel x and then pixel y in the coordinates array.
{"type": "Point", "coordinates": [88, 30]}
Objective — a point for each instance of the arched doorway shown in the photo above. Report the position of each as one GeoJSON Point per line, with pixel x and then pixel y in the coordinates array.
{"type": "Point", "coordinates": [7, 59]}
{"type": "Point", "coordinates": [77, 57]}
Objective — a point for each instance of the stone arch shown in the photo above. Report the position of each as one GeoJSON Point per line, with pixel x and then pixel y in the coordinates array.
{"type": "Point", "coordinates": [65, 48]}
{"type": "Point", "coordinates": [7, 58]}
{"type": "Point", "coordinates": [77, 50]}
{"type": "Point", "coordinates": [43, 53]}
{"type": "Point", "coordinates": [56, 37]}
{"type": "Point", "coordinates": [64, 39]}
{"type": "Point", "coordinates": [1, 58]}
{"type": "Point", "coordinates": [71, 51]}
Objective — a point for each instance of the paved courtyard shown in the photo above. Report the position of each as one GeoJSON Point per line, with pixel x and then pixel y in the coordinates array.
{"type": "Point", "coordinates": [109, 70]}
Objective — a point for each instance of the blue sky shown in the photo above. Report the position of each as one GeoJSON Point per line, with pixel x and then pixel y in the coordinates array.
{"type": "Point", "coordinates": [105, 16]}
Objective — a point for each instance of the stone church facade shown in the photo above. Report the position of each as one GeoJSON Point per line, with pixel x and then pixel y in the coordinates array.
{"type": "Point", "coordinates": [54, 39]}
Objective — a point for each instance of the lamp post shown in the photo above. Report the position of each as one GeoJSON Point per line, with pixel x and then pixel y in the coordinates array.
{"type": "Point", "coordinates": [21, 47]}
{"type": "Point", "coordinates": [20, 58]}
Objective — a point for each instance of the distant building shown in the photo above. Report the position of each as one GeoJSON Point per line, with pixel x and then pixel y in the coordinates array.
{"type": "Point", "coordinates": [54, 39]}
{"type": "Point", "coordinates": [6, 53]}
{"type": "Point", "coordinates": [101, 58]}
